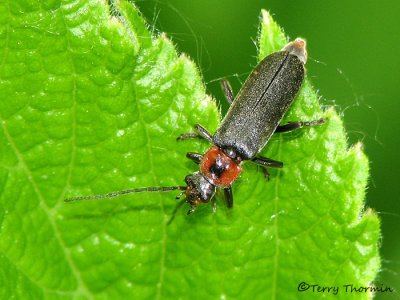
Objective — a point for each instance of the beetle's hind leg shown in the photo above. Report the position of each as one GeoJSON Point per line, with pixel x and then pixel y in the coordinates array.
{"type": "Point", "coordinates": [299, 124]}
{"type": "Point", "coordinates": [201, 132]}
{"type": "Point", "coordinates": [227, 88]}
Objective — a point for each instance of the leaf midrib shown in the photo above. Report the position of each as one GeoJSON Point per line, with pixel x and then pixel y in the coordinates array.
{"type": "Point", "coordinates": [48, 212]}
{"type": "Point", "coordinates": [51, 212]}
{"type": "Point", "coordinates": [276, 231]}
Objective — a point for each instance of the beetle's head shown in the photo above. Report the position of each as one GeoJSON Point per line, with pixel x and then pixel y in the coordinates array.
{"type": "Point", "coordinates": [199, 190]}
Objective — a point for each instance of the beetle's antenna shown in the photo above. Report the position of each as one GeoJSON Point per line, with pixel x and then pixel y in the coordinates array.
{"type": "Point", "coordinates": [124, 192]}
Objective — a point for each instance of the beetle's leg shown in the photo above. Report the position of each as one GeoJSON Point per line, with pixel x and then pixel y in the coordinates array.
{"type": "Point", "coordinates": [226, 87]}
{"type": "Point", "coordinates": [189, 135]}
{"type": "Point", "coordinates": [228, 197]}
{"type": "Point", "coordinates": [201, 133]}
{"type": "Point", "coordinates": [177, 207]}
{"type": "Point", "coordinates": [214, 205]}
{"type": "Point", "coordinates": [196, 157]}
{"type": "Point", "coordinates": [191, 210]}
{"type": "Point", "coordinates": [265, 172]}
{"type": "Point", "coordinates": [300, 124]}
{"type": "Point", "coordinates": [267, 162]}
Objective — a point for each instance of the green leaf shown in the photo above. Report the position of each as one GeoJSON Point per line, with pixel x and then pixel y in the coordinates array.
{"type": "Point", "coordinates": [91, 103]}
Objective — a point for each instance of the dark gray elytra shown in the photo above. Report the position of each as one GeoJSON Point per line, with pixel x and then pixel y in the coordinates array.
{"type": "Point", "coordinates": [261, 103]}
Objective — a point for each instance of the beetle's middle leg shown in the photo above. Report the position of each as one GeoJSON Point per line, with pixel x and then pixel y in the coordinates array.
{"type": "Point", "coordinates": [201, 132]}
{"type": "Point", "coordinates": [300, 124]}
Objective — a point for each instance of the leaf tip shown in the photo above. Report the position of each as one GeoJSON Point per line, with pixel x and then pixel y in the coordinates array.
{"type": "Point", "coordinates": [133, 21]}
{"type": "Point", "coordinates": [266, 17]}
{"type": "Point", "coordinates": [358, 149]}
{"type": "Point", "coordinates": [271, 36]}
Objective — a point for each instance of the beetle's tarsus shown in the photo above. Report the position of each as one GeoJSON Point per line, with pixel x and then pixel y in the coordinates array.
{"type": "Point", "coordinates": [299, 124]}
{"type": "Point", "coordinates": [227, 89]}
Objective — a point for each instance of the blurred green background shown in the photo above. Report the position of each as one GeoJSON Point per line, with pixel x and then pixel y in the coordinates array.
{"type": "Point", "coordinates": [354, 62]}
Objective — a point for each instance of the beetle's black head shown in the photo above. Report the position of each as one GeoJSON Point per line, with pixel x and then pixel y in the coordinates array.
{"type": "Point", "coordinates": [199, 190]}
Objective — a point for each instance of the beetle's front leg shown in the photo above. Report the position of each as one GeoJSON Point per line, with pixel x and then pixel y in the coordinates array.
{"type": "Point", "coordinates": [228, 197]}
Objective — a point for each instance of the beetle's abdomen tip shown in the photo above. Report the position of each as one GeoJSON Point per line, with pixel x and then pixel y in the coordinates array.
{"type": "Point", "coordinates": [298, 48]}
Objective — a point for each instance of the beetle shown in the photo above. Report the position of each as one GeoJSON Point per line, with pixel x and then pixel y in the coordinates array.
{"type": "Point", "coordinates": [253, 116]}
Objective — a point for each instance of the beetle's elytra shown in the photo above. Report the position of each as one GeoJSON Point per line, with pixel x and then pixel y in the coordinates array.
{"type": "Point", "coordinates": [254, 115]}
